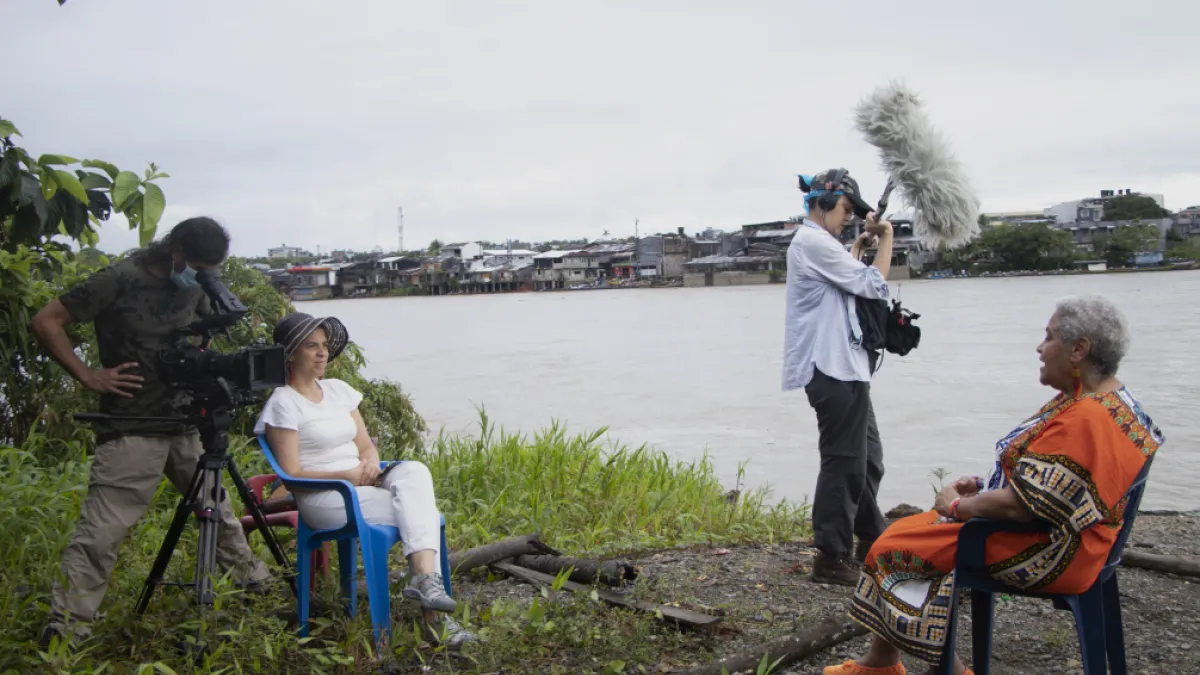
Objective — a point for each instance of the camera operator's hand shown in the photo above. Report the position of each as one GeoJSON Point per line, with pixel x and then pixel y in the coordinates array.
{"type": "Point", "coordinates": [878, 227]}
{"type": "Point", "coordinates": [114, 380]}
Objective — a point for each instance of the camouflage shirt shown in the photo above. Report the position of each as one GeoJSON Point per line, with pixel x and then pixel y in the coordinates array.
{"type": "Point", "coordinates": [134, 313]}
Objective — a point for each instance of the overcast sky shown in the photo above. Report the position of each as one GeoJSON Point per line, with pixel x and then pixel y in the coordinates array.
{"type": "Point", "coordinates": [310, 122]}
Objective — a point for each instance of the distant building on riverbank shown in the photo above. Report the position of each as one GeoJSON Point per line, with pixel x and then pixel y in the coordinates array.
{"type": "Point", "coordinates": [285, 251]}
{"type": "Point", "coordinates": [1090, 209]}
{"type": "Point", "coordinates": [549, 272]}
{"type": "Point", "coordinates": [1186, 223]}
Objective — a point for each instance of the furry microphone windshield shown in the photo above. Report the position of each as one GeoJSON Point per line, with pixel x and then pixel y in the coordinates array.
{"type": "Point", "coordinates": [920, 165]}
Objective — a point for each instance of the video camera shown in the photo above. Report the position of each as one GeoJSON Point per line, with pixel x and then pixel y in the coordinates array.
{"type": "Point", "coordinates": [201, 371]}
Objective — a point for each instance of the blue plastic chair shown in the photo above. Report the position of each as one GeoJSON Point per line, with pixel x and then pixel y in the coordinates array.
{"type": "Point", "coordinates": [1097, 610]}
{"type": "Point", "coordinates": [376, 542]}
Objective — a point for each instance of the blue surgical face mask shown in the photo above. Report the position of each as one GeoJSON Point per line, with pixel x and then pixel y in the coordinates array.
{"type": "Point", "coordinates": [185, 280]}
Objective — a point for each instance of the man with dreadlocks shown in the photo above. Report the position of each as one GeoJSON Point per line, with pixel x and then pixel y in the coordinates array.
{"type": "Point", "coordinates": [134, 304]}
{"type": "Point", "coordinates": [823, 354]}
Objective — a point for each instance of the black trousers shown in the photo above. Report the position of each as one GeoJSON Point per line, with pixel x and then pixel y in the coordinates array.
{"type": "Point", "coordinates": [845, 505]}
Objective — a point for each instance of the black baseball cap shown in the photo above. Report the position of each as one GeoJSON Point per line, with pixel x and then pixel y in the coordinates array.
{"type": "Point", "coordinates": [823, 182]}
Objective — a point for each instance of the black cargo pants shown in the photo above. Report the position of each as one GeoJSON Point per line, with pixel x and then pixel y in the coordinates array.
{"type": "Point", "coordinates": [844, 505]}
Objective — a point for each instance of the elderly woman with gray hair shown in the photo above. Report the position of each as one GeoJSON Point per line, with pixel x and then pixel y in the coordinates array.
{"type": "Point", "coordinates": [1069, 465]}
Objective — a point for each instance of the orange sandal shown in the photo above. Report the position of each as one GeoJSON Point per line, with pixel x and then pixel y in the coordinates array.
{"type": "Point", "coordinates": [852, 668]}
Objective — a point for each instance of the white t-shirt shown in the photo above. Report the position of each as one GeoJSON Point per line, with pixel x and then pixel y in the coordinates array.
{"type": "Point", "coordinates": [326, 429]}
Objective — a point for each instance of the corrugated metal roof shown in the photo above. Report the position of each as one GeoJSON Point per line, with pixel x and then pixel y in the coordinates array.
{"type": "Point", "coordinates": [771, 234]}
{"type": "Point", "coordinates": [554, 255]}
{"type": "Point", "coordinates": [515, 251]}
{"type": "Point", "coordinates": [603, 249]}
{"type": "Point", "coordinates": [726, 259]}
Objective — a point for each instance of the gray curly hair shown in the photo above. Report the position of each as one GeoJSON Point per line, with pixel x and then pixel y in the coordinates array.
{"type": "Point", "coordinates": [1099, 320]}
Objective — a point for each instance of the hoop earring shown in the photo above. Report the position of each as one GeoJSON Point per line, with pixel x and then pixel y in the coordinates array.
{"type": "Point", "coordinates": [1077, 381]}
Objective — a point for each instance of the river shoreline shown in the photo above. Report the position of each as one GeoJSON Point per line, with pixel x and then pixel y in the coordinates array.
{"type": "Point", "coordinates": [674, 286]}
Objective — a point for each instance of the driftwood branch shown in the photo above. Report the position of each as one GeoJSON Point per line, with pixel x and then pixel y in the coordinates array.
{"type": "Point", "coordinates": [480, 556]}
{"type": "Point", "coordinates": [787, 649]}
{"type": "Point", "coordinates": [1187, 567]}
{"type": "Point", "coordinates": [608, 572]}
{"type": "Point", "coordinates": [677, 616]}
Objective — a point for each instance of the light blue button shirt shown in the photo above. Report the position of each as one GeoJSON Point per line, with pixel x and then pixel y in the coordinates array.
{"type": "Point", "coordinates": [821, 328]}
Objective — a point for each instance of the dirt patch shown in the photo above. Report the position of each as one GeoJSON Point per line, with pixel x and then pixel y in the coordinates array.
{"type": "Point", "coordinates": [764, 591]}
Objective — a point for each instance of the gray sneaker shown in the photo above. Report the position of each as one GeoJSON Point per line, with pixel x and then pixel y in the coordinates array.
{"type": "Point", "coordinates": [448, 632]}
{"type": "Point", "coordinates": [429, 591]}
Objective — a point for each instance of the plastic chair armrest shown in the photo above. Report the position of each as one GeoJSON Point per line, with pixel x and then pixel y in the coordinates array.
{"type": "Point", "coordinates": [972, 540]}
{"type": "Point", "coordinates": [342, 487]}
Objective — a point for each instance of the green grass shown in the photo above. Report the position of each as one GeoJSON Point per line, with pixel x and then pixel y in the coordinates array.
{"type": "Point", "coordinates": [584, 496]}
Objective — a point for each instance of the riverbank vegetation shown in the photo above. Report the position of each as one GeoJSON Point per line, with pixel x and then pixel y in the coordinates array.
{"type": "Point", "coordinates": [1039, 246]}
{"type": "Point", "coordinates": [586, 496]}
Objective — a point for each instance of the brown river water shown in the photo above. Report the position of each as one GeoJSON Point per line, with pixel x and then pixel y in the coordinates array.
{"type": "Point", "coordinates": [697, 370]}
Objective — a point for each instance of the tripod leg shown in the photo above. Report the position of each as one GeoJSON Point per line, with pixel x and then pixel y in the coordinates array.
{"type": "Point", "coordinates": [206, 555]}
{"type": "Point", "coordinates": [186, 504]}
{"type": "Point", "coordinates": [260, 520]}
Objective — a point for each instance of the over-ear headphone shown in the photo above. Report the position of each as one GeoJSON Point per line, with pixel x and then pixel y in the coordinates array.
{"type": "Point", "coordinates": [828, 201]}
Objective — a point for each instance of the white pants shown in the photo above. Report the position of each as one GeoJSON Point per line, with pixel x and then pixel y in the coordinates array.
{"type": "Point", "coordinates": [406, 501]}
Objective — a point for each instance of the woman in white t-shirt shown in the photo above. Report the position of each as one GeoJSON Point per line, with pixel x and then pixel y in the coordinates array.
{"type": "Point", "coordinates": [315, 431]}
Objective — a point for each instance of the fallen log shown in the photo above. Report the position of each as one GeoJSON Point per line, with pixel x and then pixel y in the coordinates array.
{"type": "Point", "coordinates": [1186, 567]}
{"type": "Point", "coordinates": [607, 572]}
{"type": "Point", "coordinates": [480, 556]}
{"type": "Point", "coordinates": [785, 650]}
{"type": "Point", "coordinates": [677, 616]}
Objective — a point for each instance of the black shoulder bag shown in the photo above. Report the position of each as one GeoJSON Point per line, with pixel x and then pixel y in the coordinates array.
{"type": "Point", "coordinates": [886, 330]}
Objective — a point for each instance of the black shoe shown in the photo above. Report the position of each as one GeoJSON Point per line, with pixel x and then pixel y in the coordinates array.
{"type": "Point", "coordinates": [840, 571]}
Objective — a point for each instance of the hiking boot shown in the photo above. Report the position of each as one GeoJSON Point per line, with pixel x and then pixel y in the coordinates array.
{"type": "Point", "coordinates": [829, 570]}
{"type": "Point", "coordinates": [428, 590]}
{"type": "Point", "coordinates": [447, 632]}
{"type": "Point", "coordinates": [56, 629]}
{"type": "Point", "coordinates": [260, 587]}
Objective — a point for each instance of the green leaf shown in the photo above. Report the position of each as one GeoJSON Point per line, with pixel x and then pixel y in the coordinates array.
{"type": "Point", "coordinates": [89, 237]}
{"type": "Point", "coordinates": [52, 160]}
{"type": "Point", "coordinates": [103, 166]}
{"type": "Point", "coordinates": [71, 184]}
{"type": "Point", "coordinates": [9, 169]}
{"type": "Point", "coordinates": [49, 185]}
{"type": "Point", "coordinates": [125, 186]}
{"type": "Point", "coordinates": [7, 129]}
{"type": "Point", "coordinates": [93, 181]}
{"type": "Point", "coordinates": [153, 203]}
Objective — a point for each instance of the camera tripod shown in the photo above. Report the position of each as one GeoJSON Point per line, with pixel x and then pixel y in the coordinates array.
{"type": "Point", "coordinates": [203, 497]}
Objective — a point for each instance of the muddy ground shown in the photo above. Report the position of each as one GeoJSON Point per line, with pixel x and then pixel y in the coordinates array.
{"type": "Point", "coordinates": [764, 592]}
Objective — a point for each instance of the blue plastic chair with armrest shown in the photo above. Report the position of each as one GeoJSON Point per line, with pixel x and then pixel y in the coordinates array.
{"type": "Point", "coordinates": [376, 542]}
{"type": "Point", "coordinates": [1097, 610]}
